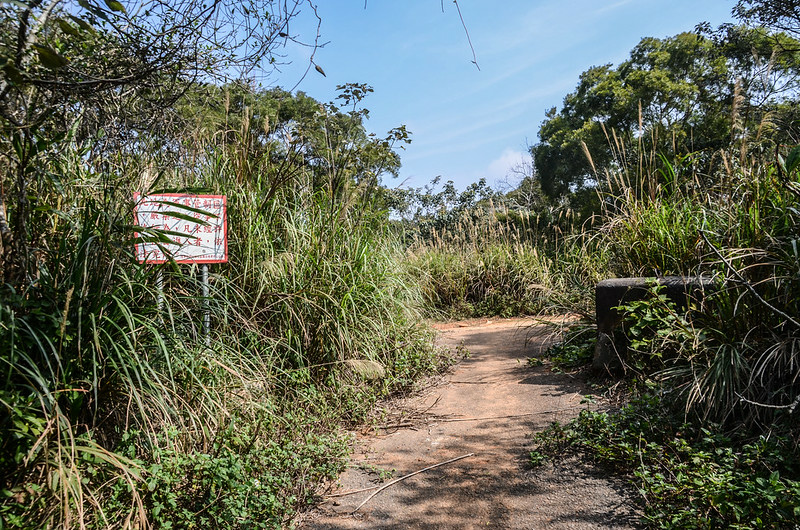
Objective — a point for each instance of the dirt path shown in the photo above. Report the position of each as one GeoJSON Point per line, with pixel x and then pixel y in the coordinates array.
{"type": "Point", "coordinates": [487, 407]}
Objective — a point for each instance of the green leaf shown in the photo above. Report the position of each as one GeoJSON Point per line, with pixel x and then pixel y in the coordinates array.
{"type": "Point", "coordinates": [94, 10]}
{"type": "Point", "coordinates": [793, 160]}
{"type": "Point", "coordinates": [49, 57]}
{"type": "Point", "coordinates": [114, 5]}
{"type": "Point", "coordinates": [11, 71]}
{"type": "Point", "coordinates": [82, 23]}
{"type": "Point", "coordinates": [15, 3]}
{"type": "Point", "coordinates": [67, 28]}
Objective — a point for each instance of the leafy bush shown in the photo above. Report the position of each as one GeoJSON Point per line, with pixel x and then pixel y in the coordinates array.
{"type": "Point", "coordinates": [115, 410]}
{"type": "Point", "coordinates": [687, 476]}
{"type": "Point", "coordinates": [575, 348]}
{"type": "Point", "coordinates": [239, 481]}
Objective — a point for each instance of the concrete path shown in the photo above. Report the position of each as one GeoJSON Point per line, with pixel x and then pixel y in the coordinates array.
{"type": "Point", "coordinates": [487, 408]}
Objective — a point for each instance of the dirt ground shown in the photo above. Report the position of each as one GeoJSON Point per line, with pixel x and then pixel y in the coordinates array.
{"type": "Point", "coordinates": [482, 414]}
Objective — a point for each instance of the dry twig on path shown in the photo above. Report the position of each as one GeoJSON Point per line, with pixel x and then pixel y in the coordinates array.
{"type": "Point", "coordinates": [510, 416]}
{"type": "Point", "coordinates": [392, 483]}
{"type": "Point", "coordinates": [353, 492]}
{"type": "Point", "coordinates": [394, 426]}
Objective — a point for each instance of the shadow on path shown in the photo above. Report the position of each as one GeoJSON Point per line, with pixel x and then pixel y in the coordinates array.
{"type": "Point", "coordinates": [488, 407]}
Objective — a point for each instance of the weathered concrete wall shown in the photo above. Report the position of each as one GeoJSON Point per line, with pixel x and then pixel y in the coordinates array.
{"type": "Point", "coordinates": [611, 348]}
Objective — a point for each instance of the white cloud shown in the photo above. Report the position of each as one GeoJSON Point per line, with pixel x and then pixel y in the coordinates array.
{"type": "Point", "coordinates": [500, 167]}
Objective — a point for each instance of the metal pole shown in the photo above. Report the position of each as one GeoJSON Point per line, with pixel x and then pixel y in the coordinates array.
{"type": "Point", "coordinates": [206, 310]}
{"type": "Point", "coordinates": [160, 291]}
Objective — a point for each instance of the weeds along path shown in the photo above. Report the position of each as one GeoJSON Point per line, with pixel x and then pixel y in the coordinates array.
{"type": "Point", "coordinates": [487, 407]}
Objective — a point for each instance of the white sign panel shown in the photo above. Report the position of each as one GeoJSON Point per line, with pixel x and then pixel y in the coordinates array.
{"type": "Point", "coordinates": [196, 226]}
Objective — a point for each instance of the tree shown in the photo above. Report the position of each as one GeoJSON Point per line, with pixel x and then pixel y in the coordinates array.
{"type": "Point", "coordinates": [691, 93]}
{"type": "Point", "coordinates": [111, 71]}
{"type": "Point", "coordinates": [288, 139]}
{"type": "Point", "coordinates": [780, 15]}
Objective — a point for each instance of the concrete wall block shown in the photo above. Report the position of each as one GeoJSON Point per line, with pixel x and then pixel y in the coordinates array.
{"type": "Point", "coordinates": [611, 347]}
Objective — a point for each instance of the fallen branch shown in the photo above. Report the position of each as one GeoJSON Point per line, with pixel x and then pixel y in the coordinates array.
{"type": "Point", "coordinates": [394, 426]}
{"type": "Point", "coordinates": [392, 483]}
{"type": "Point", "coordinates": [450, 420]}
{"type": "Point", "coordinates": [352, 492]}
{"type": "Point", "coordinates": [793, 405]}
{"type": "Point", "coordinates": [433, 405]}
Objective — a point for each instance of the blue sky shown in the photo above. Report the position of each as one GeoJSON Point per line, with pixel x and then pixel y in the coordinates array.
{"type": "Point", "coordinates": [468, 123]}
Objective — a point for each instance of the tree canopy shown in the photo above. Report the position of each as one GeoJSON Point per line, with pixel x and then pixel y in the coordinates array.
{"type": "Point", "coordinates": [690, 93]}
{"type": "Point", "coordinates": [781, 15]}
{"type": "Point", "coordinates": [281, 136]}
{"type": "Point", "coordinates": [112, 71]}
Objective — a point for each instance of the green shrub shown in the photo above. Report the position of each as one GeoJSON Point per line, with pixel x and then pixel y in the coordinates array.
{"type": "Point", "coordinates": [687, 476]}
{"type": "Point", "coordinates": [575, 348]}
{"type": "Point", "coordinates": [117, 411]}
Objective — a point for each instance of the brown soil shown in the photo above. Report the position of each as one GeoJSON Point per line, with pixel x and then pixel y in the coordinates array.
{"type": "Point", "coordinates": [487, 407]}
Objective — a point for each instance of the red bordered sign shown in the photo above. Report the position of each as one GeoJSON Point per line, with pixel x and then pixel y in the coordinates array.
{"type": "Point", "coordinates": [196, 225]}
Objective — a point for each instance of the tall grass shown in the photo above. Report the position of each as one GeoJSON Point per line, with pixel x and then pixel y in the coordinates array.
{"type": "Point", "coordinates": [115, 413]}
{"type": "Point", "coordinates": [499, 262]}
{"type": "Point", "coordinates": [327, 279]}
{"type": "Point", "coordinates": [739, 227]}
{"type": "Point", "coordinates": [734, 358]}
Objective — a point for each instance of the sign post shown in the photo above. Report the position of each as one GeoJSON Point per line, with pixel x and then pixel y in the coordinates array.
{"type": "Point", "coordinates": [206, 311]}
{"type": "Point", "coordinates": [183, 228]}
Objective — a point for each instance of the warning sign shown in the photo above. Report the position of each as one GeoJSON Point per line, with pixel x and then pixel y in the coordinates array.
{"type": "Point", "coordinates": [182, 227]}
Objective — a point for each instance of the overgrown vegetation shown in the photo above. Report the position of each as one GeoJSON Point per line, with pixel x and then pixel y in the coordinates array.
{"type": "Point", "coordinates": [686, 475]}
{"type": "Point", "coordinates": [479, 253]}
{"type": "Point", "coordinates": [114, 410]}
{"type": "Point", "coordinates": [116, 413]}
